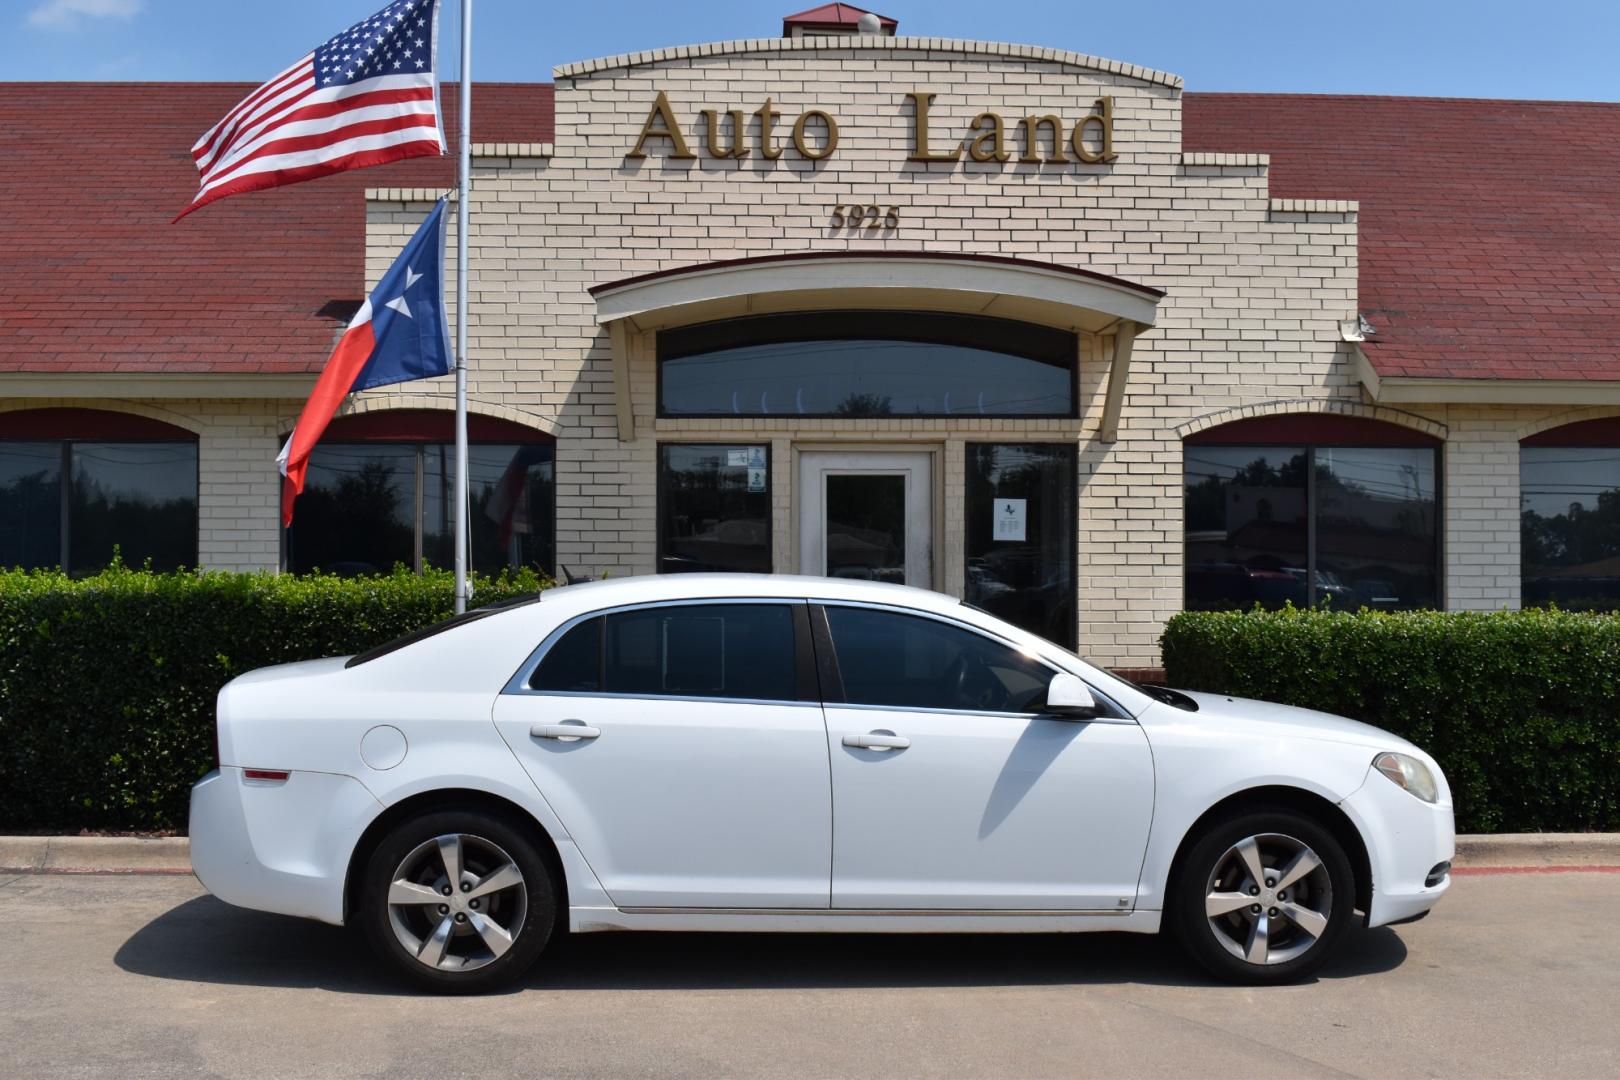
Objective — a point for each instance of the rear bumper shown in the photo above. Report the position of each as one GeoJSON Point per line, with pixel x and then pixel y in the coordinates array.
{"type": "Point", "coordinates": [1407, 838]}
{"type": "Point", "coordinates": [278, 846]}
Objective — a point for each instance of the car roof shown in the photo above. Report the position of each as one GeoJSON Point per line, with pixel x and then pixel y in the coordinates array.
{"type": "Point", "coordinates": [653, 587]}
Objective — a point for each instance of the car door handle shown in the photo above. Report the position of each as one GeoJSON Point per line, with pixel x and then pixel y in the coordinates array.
{"type": "Point", "coordinates": [877, 740]}
{"type": "Point", "coordinates": [574, 730]}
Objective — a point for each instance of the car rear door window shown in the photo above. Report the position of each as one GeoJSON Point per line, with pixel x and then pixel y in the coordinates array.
{"type": "Point", "coordinates": [574, 663]}
{"type": "Point", "coordinates": [734, 651]}
{"type": "Point", "coordinates": [910, 662]}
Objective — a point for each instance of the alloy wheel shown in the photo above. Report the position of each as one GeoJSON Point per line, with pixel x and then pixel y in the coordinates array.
{"type": "Point", "coordinates": [1269, 899]}
{"type": "Point", "coordinates": [457, 902]}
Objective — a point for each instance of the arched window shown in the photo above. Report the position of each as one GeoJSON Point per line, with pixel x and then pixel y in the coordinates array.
{"type": "Point", "coordinates": [866, 364]}
{"type": "Point", "coordinates": [380, 491]}
{"type": "Point", "coordinates": [1569, 516]}
{"type": "Point", "coordinates": [1312, 510]}
{"type": "Point", "coordinates": [77, 483]}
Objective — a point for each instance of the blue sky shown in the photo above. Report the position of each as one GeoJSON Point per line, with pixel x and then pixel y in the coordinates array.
{"type": "Point", "coordinates": [1550, 49]}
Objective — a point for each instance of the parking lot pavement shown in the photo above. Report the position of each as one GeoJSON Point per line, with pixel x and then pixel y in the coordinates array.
{"type": "Point", "coordinates": [1514, 975]}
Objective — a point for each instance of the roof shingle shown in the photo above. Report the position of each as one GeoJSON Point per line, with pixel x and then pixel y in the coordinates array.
{"type": "Point", "coordinates": [1489, 230]}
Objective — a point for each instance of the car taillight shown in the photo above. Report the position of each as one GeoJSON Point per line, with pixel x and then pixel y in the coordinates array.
{"type": "Point", "coordinates": [274, 775]}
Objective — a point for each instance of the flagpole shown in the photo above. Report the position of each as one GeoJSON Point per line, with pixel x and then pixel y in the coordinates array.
{"type": "Point", "coordinates": [463, 213]}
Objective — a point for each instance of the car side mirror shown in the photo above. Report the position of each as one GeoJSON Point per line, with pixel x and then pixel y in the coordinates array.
{"type": "Point", "coordinates": [1069, 697]}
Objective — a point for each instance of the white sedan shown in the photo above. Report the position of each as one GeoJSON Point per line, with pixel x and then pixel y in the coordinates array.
{"type": "Point", "coordinates": [738, 752]}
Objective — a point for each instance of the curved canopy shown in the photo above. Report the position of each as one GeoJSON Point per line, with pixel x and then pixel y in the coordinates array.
{"type": "Point", "coordinates": [1044, 293]}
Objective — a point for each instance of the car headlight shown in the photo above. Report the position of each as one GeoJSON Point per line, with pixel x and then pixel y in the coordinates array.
{"type": "Point", "coordinates": [1409, 773]}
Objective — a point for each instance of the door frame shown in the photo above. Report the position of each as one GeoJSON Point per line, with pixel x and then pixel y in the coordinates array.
{"type": "Point", "coordinates": [868, 457]}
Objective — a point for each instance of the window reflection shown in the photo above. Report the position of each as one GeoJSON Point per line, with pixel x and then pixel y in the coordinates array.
{"type": "Point", "coordinates": [1022, 570]}
{"type": "Point", "coordinates": [138, 499]}
{"type": "Point", "coordinates": [30, 504]}
{"type": "Point", "coordinates": [1246, 527]}
{"type": "Point", "coordinates": [1376, 532]}
{"type": "Point", "coordinates": [1249, 527]}
{"type": "Point", "coordinates": [369, 506]}
{"type": "Point", "coordinates": [866, 527]}
{"type": "Point", "coordinates": [713, 508]}
{"type": "Point", "coordinates": [866, 364]}
{"type": "Point", "coordinates": [1569, 526]}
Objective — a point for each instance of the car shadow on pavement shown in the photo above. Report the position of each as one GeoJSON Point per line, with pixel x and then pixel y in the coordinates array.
{"type": "Point", "coordinates": [205, 940]}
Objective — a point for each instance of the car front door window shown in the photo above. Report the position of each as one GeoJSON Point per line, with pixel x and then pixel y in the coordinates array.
{"type": "Point", "coordinates": [912, 662]}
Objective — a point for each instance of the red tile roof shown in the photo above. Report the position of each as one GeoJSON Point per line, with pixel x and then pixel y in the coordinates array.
{"type": "Point", "coordinates": [1490, 230]}
{"type": "Point", "coordinates": [832, 15]}
{"type": "Point", "coordinates": [94, 278]}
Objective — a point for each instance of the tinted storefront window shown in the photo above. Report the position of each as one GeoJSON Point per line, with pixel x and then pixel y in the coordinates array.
{"type": "Point", "coordinates": [1342, 526]}
{"type": "Point", "coordinates": [1246, 526]}
{"type": "Point", "coordinates": [138, 498]}
{"type": "Point", "coordinates": [367, 506]}
{"type": "Point", "coordinates": [866, 364]}
{"type": "Point", "coordinates": [1569, 526]}
{"type": "Point", "coordinates": [1377, 528]}
{"type": "Point", "coordinates": [714, 507]}
{"type": "Point", "coordinates": [1020, 536]}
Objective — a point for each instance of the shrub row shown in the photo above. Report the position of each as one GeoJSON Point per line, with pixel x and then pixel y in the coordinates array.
{"type": "Point", "coordinates": [1522, 709]}
{"type": "Point", "coordinates": [107, 683]}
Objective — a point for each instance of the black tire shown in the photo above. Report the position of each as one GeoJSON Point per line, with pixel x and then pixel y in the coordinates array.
{"type": "Point", "coordinates": [470, 966]}
{"type": "Point", "coordinates": [1210, 941]}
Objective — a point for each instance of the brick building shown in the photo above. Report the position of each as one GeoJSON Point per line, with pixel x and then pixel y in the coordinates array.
{"type": "Point", "coordinates": [1026, 326]}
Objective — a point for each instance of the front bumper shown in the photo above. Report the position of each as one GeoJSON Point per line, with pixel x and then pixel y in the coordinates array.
{"type": "Point", "coordinates": [280, 846]}
{"type": "Point", "coordinates": [1406, 839]}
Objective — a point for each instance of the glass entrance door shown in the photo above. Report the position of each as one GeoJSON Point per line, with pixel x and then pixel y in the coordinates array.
{"type": "Point", "coordinates": [867, 516]}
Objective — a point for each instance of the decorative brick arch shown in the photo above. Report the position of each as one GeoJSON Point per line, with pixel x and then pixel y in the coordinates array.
{"type": "Point", "coordinates": [987, 50]}
{"type": "Point", "coordinates": [1568, 416]}
{"type": "Point", "coordinates": [111, 405]}
{"type": "Point", "coordinates": [1284, 406]}
{"type": "Point", "coordinates": [371, 403]}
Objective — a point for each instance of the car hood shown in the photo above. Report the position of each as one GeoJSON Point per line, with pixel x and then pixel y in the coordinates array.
{"type": "Point", "coordinates": [1287, 721]}
{"type": "Point", "coordinates": [303, 669]}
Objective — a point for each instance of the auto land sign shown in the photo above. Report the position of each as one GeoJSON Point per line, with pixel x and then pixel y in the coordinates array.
{"type": "Point", "coordinates": [1045, 139]}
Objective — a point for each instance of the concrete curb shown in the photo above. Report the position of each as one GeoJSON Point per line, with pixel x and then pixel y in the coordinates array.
{"type": "Point", "coordinates": [95, 855]}
{"type": "Point", "coordinates": [172, 855]}
{"type": "Point", "coordinates": [1538, 849]}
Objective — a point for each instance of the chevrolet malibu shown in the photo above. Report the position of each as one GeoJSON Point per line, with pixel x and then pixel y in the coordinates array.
{"type": "Point", "coordinates": [769, 753]}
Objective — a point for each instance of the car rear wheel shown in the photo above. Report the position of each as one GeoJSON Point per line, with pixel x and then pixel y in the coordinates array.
{"type": "Point", "coordinates": [458, 901]}
{"type": "Point", "coordinates": [1263, 897]}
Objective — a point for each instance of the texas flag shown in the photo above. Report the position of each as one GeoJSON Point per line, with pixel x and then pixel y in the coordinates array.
{"type": "Point", "coordinates": [400, 333]}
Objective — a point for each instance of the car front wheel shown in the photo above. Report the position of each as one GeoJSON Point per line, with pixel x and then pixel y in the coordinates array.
{"type": "Point", "coordinates": [1263, 897]}
{"type": "Point", "coordinates": [458, 901]}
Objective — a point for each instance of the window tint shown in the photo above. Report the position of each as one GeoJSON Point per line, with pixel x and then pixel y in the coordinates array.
{"type": "Point", "coordinates": [714, 508]}
{"type": "Point", "coordinates": [862, 364]}
{"type": "Point", "coordinates": [71, 503]}
{"type": "Point", "coordinates": [367, 506]}
{"type": "Point", "coordinates": [574, 663]}
{"type": "Point", "coordinates": [906, 661]}
{"type": "Point", "coordinates": [1569, 521]}
{"type": "Point", "coordinates": [707, 650]}
{"type": "Point", "coordinates": [1346, 527]}
{"type": "Point", "coordinates": [1020, 535]}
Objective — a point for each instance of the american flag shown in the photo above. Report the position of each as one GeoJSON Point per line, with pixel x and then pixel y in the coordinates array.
{"type": "Point", "coordinates": [365, 97]}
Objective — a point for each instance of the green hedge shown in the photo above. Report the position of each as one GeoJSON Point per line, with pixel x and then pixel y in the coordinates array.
{"type": "Point", "coordinates": [107, 683]}
{"type": "Point", "coordinates": [1522, 708]}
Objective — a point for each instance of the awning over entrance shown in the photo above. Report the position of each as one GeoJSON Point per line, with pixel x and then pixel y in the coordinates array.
{"type": "Point", "coordinates": [1065, 297]}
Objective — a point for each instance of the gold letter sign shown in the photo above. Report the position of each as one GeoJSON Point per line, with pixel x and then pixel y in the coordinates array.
{"type": "Point", "coordinates": [1041, 137]}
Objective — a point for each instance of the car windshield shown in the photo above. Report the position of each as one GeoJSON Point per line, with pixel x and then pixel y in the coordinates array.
{"type": "Point", "coordinates": [437, 628]}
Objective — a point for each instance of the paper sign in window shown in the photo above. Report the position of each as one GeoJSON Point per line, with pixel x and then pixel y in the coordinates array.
{"type": "Point", "coordinates": [1010, 517]}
